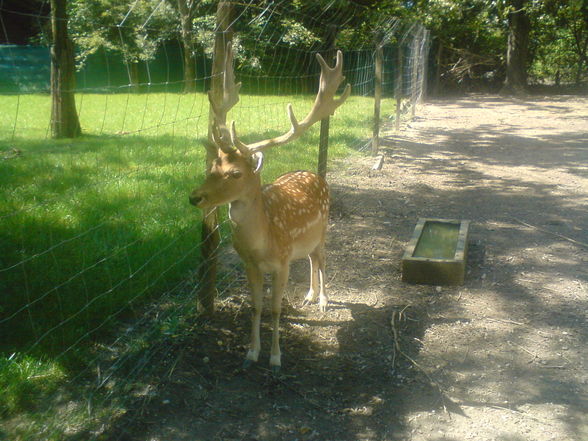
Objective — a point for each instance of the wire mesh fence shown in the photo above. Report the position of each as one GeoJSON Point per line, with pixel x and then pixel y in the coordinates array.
{"type": "Point", "coordinates": [100, 247]}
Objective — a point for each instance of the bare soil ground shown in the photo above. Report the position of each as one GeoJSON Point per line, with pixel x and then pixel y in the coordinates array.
{"type": "Point", "coordinates": [503, 357]}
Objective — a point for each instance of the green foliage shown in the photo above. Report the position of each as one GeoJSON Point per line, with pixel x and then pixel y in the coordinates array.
{"type": "Point", "coordinates": [252, 53]}
{"type": "Point", "coordinates": [297, 35]}
{"type": "Point", "coordinates": [134, 29]}
{"type": "Point", "coordinates": [472, 33]}
{"type": "Point", "coordinates": [561, 41]}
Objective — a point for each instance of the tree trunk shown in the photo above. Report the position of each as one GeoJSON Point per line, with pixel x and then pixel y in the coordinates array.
{"type": "Point", "coordinates": [64, 117]}
{"type": "Point", "coordinates": [210, 235]}
{"type": "Point", "coordinates": [133, 70]}
{"type": "Point", "coordinates": [517, 52]}
{"type": "Point", "coordinates": [186, 8]}
{"type": "Point", "coordinates": [581, 70]}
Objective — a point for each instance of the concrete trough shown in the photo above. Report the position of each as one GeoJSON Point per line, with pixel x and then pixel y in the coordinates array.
{"type": "Point", "coordinates": [437, 252]}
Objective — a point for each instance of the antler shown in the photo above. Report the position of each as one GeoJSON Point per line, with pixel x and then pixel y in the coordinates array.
{"type": "Point", "coordinates": [324, 105]}
{"type": "Point", "coordinates": [222, 104]}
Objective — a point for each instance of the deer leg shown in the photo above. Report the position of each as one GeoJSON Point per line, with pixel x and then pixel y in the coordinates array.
{"type": "Point", "coordinates": [323, 299]}
{"type": "Point", "coordinates": [314, 279]}
{"type": "Point", "coordinates": [255, 279]}
{"type": "Point", "coordinates": [317, 279]}
{"type": "Point", "coordinates": [280, 278]}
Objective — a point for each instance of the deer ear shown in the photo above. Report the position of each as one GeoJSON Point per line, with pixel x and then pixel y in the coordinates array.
{"type": "Point", "coordinates": [257, 162]}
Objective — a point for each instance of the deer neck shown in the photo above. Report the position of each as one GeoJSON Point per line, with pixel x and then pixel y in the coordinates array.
{"type": "Point", "coordinates": [249, 220]}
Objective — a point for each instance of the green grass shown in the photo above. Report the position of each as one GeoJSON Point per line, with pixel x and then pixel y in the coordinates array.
{"type": "Point", "coordinates": [91, 228]}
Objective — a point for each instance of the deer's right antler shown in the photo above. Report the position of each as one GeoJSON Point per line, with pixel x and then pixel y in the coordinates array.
{"type": "Point", "coordinates": [324, 105]}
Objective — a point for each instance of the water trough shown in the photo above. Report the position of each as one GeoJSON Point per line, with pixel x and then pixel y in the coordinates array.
{"type": "Point", "coordinates": [437, 252]}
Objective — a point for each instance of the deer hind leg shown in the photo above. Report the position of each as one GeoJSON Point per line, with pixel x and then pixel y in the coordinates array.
{"type": "Point", "coordinates": [317, 279]}
{"type": "Point", "coordinates": [255, 279]}
{"type": "Point", "coordinates": [314, 279]}
{"type": "Point", "coordinates": [280, 279]}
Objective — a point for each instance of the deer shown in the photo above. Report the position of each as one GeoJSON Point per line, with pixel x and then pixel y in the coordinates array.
{"type": "Point", "coordinates": [272, 224]}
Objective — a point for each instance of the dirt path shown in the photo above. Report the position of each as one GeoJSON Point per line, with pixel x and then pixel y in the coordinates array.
{"type": "Point", "coordinates": [503, 357]}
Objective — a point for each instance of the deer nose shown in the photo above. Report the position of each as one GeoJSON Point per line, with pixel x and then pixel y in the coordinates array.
{"type": "Point", "coordinates": [195, 199]}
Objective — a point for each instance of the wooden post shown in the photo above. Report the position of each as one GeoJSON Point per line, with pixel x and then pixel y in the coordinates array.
{"type": "Point", "coordinates": [399, 81]}
{"type": "Point", "coordinates": [377, 95]}
{"type": "Point", "coordinates": [210, 235]}
{"type": "Point", "coordinates": [64, 117]}
{"type": "Point", "coordinates": [415, 60]}
{"type": "Point", "coordinates": [425, 63]}
{"type": "Point", "coordinates": [325, 122]}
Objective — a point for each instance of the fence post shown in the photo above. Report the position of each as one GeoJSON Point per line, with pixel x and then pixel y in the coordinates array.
{"type": "Point", "coordinates": [399, 81]}
{"type": "Point", "coordinates": [325, 122]}
{"type": "Point", "coordinates": [377, 94]}
{"type": "Point", "coordinates": [414, 60]}
{"type": "Point", "coordinates": [425, 71]}
{"type": "Point", "coordinates": [210, 235]}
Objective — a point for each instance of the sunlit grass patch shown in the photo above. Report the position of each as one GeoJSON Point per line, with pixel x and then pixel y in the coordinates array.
{"type": "Point", "coordinates": [24, 380]}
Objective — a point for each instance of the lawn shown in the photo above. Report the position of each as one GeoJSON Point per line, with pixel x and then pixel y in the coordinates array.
{"type": "Point", "coordinates": [92, 228]}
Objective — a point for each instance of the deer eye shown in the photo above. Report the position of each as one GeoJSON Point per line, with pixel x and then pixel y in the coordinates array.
{"type": "Point", "coordinates": [235, 173]}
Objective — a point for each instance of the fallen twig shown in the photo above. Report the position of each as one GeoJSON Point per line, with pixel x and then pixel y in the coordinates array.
{"type": "Point", "coordinates": [543, 230]}
{"type": "Point", "coordinates": [512, 322]}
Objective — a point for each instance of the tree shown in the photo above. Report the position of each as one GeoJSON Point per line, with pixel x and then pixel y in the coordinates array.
{"type": "Point", "coordinates": [186, 9]}
{"type": "Point", "coordinates": [519, 27]}
{"type": "Point", "coordinates": [64, 117]}
{"type": "Point", "coordinates": [561, 37]}
{"type": "Point", "coordinates": [468, 40]}
{"type": "Point", "coordinates": [135, 29]}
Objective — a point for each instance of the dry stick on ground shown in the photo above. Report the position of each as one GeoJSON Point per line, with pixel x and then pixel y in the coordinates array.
{"type": "Point", "coordinates": [512, 322]}
{"type": "Point", "coordinates": [393, 324]}
{"type": "Point", "coordinates": [552, 233]}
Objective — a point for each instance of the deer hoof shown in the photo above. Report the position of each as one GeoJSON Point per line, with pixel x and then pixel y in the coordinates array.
{"type": "Point", "coordinates": [309, 298]}
{"type": "Point", "coordinates": [275, 370]}
{"type": "Point", "coordinates": [247, 364]}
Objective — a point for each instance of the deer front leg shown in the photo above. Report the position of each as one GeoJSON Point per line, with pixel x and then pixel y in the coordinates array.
{"type": "Point", "coordinates": [280, 278]}
{"type": "Point", "coordinates": [255, 279]}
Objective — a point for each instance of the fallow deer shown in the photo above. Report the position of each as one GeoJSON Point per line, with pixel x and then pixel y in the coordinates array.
{"type": "Point", "coordinates": [276, 223]}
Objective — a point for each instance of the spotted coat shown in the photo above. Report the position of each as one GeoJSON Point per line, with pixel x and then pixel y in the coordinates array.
{"type": "Point", "coordinates": [294, 203]}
